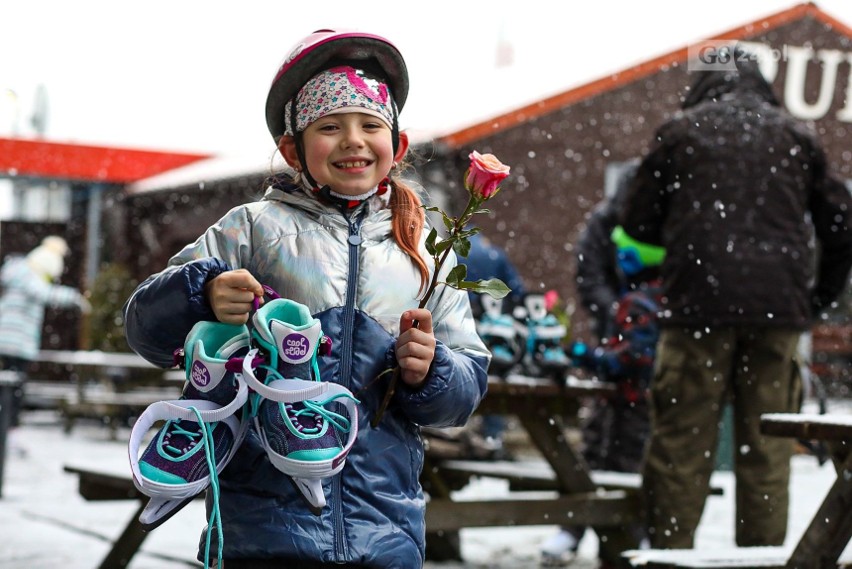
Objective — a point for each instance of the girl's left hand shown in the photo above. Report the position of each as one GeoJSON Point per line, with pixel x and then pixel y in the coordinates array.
{"type": "Point", "coordinates": [415, 347]}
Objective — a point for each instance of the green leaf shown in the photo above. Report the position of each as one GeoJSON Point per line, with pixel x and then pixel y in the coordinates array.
{"type": "Point", "coordinates": [430, 241]}
{"type": "Point", "coordinates": [457, 275]}
{"type": "Point", "coordinates": [462, 247]}
{"type": "Point", "coordinates": [443, 246]}
{"type": "Point", "coordinates": [483, 210]}
{"type": "Point", "coordinates": [494, 288]}
{"type": "Point", "coordinates": [470, 232]}
{"type": "Point", "coordinates": [449, 222]}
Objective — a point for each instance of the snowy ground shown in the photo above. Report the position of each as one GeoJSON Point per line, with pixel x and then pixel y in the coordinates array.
{"type": "Point", "coordinates": [45, 524]}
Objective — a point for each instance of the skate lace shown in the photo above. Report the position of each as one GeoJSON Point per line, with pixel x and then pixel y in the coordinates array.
{"type": "Point", "coordinates": [314, 410]}
{"type": "Point", "coordinates": [175, 429]}
{"type": "Point", "coordinates": [215, 519]}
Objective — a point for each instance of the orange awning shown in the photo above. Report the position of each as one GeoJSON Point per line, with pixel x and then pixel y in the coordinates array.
{"type": "Point", "coordinates": [43, 159]}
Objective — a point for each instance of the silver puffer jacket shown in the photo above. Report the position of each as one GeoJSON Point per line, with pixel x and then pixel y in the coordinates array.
{"type": "Point", "coordinates": [348, 270]}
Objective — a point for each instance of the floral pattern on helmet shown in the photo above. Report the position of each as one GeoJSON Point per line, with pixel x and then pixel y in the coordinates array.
{"type": "Point", "coordinates": [338, 90]}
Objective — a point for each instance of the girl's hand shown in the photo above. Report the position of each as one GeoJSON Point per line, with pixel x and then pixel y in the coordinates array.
{"type": "Point", "coordinates": [231, 295]}
{"type": "Point", "coordinates": [415, 347]}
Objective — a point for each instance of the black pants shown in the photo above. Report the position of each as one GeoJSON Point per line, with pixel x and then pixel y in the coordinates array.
{"type": "Point", "coordinates": [20, 365]}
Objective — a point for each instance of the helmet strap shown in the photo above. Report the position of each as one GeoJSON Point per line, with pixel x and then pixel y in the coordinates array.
{"type": "Point", "coordinates": [395, 129]}
{"type": "Point", "coordinates": [300, 145]}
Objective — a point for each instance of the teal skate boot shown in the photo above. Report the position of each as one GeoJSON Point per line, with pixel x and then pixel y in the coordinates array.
{"type": "Point", "coordinates": [202, 430]}
{"type": "Point", "coordinates": [306, 425]}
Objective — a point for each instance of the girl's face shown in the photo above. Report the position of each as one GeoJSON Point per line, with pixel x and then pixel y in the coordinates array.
{"type": "Point", "coordinates": [350, 152]}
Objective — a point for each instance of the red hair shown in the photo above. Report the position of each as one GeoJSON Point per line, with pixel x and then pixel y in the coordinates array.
{"type": "Point", "coordinates": [408, 219]}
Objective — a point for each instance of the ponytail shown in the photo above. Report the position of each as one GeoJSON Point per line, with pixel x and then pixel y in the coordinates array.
{"type": "Point", "coordinates": [407, 225]}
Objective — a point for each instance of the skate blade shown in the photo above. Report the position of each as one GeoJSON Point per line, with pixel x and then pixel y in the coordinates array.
{"type": "Point", "coordinates": [311, 492]}
{"type": "Point", "coordinates": [159, 510]}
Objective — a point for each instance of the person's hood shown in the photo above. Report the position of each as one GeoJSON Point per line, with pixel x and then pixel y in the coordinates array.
{"type": "Point", "coordinates": [745, 78]}
{"type": "Point", "coordinates": [618, 199]}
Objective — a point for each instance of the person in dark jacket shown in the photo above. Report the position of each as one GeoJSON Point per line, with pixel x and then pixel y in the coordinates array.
{"type": "Point", "coordinates": [734, 189]}
{"type": "Point", "coordinates": [599, 282]}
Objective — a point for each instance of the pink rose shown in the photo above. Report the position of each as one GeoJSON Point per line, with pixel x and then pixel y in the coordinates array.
{"type": "Point", "coordinates": [484, 175]}
{"type": "Point", "coordinates": [551, 299]}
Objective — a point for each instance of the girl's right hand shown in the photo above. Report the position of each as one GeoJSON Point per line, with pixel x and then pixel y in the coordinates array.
{"type": "Point", "coordinates": [231, 295]}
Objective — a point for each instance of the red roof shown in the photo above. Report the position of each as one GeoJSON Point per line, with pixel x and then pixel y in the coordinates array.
{"type": "Point", "coordinates": [570, 97]}
{"type": "Point", "coordinates": [44, 159]}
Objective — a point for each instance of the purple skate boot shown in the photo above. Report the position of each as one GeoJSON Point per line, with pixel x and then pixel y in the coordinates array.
{"type": "Point", "coordinates": [203, 428]}
{"type": "Point", "coordinates": [301, 420]}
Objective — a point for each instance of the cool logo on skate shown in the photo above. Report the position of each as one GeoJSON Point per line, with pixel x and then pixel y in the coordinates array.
{"type": "Point", "coordinates": [294, 347]}
{"type": "Point", "coordinates": [199, 374]}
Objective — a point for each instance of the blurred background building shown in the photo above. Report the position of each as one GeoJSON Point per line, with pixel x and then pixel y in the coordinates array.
{"type": "Point", "coordinates": [126, 211]}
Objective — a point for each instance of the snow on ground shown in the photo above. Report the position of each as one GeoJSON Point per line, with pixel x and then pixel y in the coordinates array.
{"type": "Point", "coordinates": [44, 523]}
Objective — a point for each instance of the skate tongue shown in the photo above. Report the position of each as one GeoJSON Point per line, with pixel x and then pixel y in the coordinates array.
{"type": "Point", "coordinates": [295, 346]}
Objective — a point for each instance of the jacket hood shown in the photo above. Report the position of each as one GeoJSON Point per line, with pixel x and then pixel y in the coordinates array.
{"type": "Point", "coordinates": [622, 187]}
{"type": "Point", "coordinates": [745, 78]}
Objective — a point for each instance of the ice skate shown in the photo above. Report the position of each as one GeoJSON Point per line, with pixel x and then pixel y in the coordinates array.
{"type": "Point", "coordinates": [203, 428]}
{"type": "Point", "coordinates": [500, 335]}
{"type": "Point", "coordinates": [296, 415]}
{"type": "Point", "coordinates": [544, 335]}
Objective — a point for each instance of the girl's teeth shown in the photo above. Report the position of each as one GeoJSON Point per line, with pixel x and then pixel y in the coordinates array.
{"type": "Point", "coordinates": [360, 164]}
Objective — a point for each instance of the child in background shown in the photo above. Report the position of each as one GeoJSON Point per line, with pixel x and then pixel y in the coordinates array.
{"type": "Point", "coordinates": [28, 286]}
{"type": "Point", "coordinates": [343, 235]}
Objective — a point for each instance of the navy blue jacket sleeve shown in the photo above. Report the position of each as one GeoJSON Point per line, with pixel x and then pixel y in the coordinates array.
{"type": "Point", "coordinates": [456, 384]}
{"type": "Point", "coordinates": [163, 309]}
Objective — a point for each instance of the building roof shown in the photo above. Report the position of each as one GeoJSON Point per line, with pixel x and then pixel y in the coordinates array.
{"type": "Point", "coordinates": [79, 162]}
{"type": "Point", "coordinates": [572, 96]}
{"type": "Point", "coordinates": [214, 169]}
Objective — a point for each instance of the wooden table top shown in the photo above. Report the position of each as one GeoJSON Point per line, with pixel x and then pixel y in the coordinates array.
{"type": "Point", "coordinates": [829, 426]}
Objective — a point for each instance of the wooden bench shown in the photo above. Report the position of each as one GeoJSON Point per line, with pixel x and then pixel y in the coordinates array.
{"type": "Point", "coordinates": [544, 408]}
{"type": "Point", "coordinates": [726, 558]}
{"type": "Point", "coordinates": [43, 394]}
{"type": "Point", "coordinates": [822, 543]}
{"type": "Point", "coordinates": [529, 475]}
{"type": "Point", "coordinates": [114, 409]}
{"type": "Point", "coordinates": [96, 486]}
{"type": "Point", "coordinates": [112, 388]}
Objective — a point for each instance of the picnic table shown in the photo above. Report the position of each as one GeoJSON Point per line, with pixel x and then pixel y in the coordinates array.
{"type": "Point", "coordinates": [830, 529]}
{"type": "Point", "coordinates": [542, 406]}
{"type": "Point", "coordinates": [544, 409]}
{"type": "Point", "coordinates": [107, 386]}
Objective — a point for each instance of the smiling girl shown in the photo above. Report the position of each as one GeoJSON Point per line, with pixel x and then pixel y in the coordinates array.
{"type": "Point", "coordinates": [342, 234]}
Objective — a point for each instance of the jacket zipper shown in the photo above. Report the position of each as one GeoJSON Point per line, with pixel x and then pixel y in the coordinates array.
{"type": "Point", "coordinates": [354, 240]}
